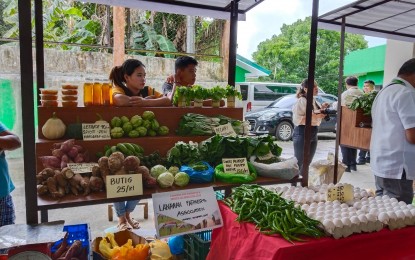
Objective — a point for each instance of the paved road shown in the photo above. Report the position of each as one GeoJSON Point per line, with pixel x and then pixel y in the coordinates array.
{"type": "Point", "coordinates": [97, 216]}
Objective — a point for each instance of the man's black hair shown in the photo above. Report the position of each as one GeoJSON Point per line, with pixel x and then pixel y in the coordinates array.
{"type": "Point", "coordinates": [408, 67]}
{"type": "Point", "coordinates": [370, 82]}
{"type": "Point", "coordinates": [183, 61]}
{"type": "Point", "coordinates": [352, 81]}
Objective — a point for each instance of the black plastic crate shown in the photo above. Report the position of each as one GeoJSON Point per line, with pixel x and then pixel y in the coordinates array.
{"type": "Point", "coordinates": [197, 245]}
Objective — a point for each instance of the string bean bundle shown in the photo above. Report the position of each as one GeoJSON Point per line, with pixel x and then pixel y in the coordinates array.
{"type": "Point", "coordinates": [271, 213]}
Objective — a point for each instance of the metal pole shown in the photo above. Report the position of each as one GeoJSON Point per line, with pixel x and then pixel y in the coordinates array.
{"type": "Point", "coordinates": [28, 119]}
{"type": "Point", "coordinates": [339, 104]}
{"type": "Point", "coordinates": [40, 65]}
{"type": "Point", "coordinates": [190, 34]}
{"type": "Point", "coordinates": [311, 71]}
{"type": "Point", "coordinates": [232, 42]}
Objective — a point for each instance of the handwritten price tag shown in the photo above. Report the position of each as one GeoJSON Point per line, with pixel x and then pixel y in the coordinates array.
{"type": "Point", "coordinates": [81, 167]}
{"type": "Point", "coordinates": [341, 193]}
{"type": "Point", "coordinates": [225, 130]}
{"type": "Point", "coordinates": [99, 131]}
{"type": "Point", "coordinates": [235, 165]}
{"type": "Point", "coordinates": [124, 185]}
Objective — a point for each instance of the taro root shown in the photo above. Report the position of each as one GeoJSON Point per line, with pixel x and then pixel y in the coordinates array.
{"type": "Point", "coordinates": [131, 163]}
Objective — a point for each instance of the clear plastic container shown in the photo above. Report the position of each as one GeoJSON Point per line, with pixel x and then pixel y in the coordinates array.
{"type": "Point", "coordinates": [48, 91]}
{"type": "Point", "coordinates": [49, 103]}
{"type": "Point", "coordinates": [66, 87]}
{"type": "Point", "coordinates": [69, 103]}
{"type": "Point", "coordinates": [69, 98]}
{"type": "Point", "coordinates": [69, 92]}
{"type": "Point", "coordinates": [48, 97]}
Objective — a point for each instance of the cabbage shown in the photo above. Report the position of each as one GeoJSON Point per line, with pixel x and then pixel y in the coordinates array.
{"type": "Point", "coordinates": [174, 170]}
{"type": "Point", "coordinates": [157, 170]}
{"type": "Point", "coordinates": [181, 179]}
{"type": "Point", "coordinates": [165, 180]}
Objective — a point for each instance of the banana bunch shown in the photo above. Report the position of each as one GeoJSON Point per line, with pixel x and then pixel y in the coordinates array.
{"type": "Point", "coordinates": [125, 148]}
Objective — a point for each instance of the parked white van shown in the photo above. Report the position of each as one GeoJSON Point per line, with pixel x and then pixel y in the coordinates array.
{"type": "Point", "coordinates": [256, 95]}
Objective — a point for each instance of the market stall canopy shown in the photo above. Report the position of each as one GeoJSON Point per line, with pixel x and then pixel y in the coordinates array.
{"type": "Point", "coordinates": [218, 9]}
{"type": "Point", "coordinates": [391, 19]}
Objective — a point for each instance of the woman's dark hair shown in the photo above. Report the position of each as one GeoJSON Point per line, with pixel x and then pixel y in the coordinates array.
{"type": "Point", "coordinates": [127, 68]}
{"type": "Point", "coordinates": [183, 61]}
{"type": "Point", "coordinates": [301, 91]}
{"type": "Point", "coordinates": [407, 68]}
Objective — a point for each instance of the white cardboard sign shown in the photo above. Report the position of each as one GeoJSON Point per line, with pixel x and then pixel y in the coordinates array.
{"type": "Point", "coordinates": [341, 193]}
{"type": "Point", "coordinates": [124, 185]}
{"type": "Point", "coordinates": [225, 130]}
{"type": "Point", "coordinates": [100, 131]}
{"type": "Point", "coordinates": [186, 211]}
{"type": "Point", "coordinates": [81, 167]}
{"type": "Point", "coordinates": [235, 165]}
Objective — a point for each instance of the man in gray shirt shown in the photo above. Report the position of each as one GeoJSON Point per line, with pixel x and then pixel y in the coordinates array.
{"type": "Point", "coordinates": [185, 74]}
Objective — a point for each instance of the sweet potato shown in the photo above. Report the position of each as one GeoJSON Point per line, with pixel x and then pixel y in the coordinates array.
{"type": "Point", "coordinates": [96, 183]}
{"type": "Point", "coordinates": [103, 163]}
{"type": "Point", "coordinates": [64, 161]}
{"type": "Point", "coordinates": [73, 152]}
{"type": "Point", "coordinates": [131, 163]}
{"type": "Point", "coordinates": [85, 185]}
{"type": "Point", "coordinates": [68, 173]}
{"type": "Point", "coordinates": [42, 189]}
{"type": "Point", "coordinates": [57, 145]}
{"type": "Point", "coordinates": [79, 158]}
{"type": "Point", "coordinates": [115, 163]}
{"type": "Point", "coordinates": [104, 175]}
{"type": "Point", "coordinates": [61, 180]}
{"type": "Point", "coordinates": [75, 182]}
{"type": "Point", "coordinates": [50, 162]}
{"type": "Point", "coordinates": [96, 171]}
{"type": "Point", "coordinates": [57, 153]}
{"type": "Point", "coordinates": [44, 175]}
{"type": "Point", "coordinates": [67, 145]}
{"type": "Point", "coordinates": [121, 171]}
{"type": "Point", "coordinates": [80, 148]}
{"type": "Point", "coordinates": [53, 189]}
{"type": "Point", "coordinates": [86, 156]}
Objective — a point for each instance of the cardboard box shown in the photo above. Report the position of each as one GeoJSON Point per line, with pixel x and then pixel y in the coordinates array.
{"type": "Point", "coordinates": [121, 238]}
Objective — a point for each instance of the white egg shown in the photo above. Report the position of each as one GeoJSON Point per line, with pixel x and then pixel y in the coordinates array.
{"type": "Point", "coordinates": [336, 210]}
{"type": "Point", "coordinates": [344, 205]}
{"type": "Point", "coordinates": [400, 214]}
{"type": "Point", "coordinates": [314, 205]}
{"type": "Point", "coordinates": [305, 207]}
{"type": "Point", "coordinates": [362, 218]}
{"type": "Point", "coordinates": [345, 210]}
{"type": "Point", "coordinates": [364, 199]}
{"type": "Point", "coordinates": [371, 217]}
{"type": "Point", "coordinates": [378, 198]}
{"type": "Point", "coordinates": [302, 200]}
{"type": "Point", "coordinates": [355, 220]}
{"type": "Point", "coordinates": [401, 203]}
{"type": "Point", "coordinates": [370, 199]}
{"type": "Point", "coordinates": [365, 209]}
{"type": "Point", "coordinates": [345, 214]}
{"type": "Point", "coordinates": [389, 208]}
{"type": "Point", "coordinates": [357, 205]}
{"type": "Point", "coordinates": [331, 185]}
{"type": "Point", "coordinates": [385, 197]}
{"type": "Point", "coordinates": [316, 197]}
{"type": "Point", "coordinates": [328, 224]}
{"type": "Point", "coordinates": [337, 215]}
{"type": "Point", "coordinates": [407, 213]}
{"type": "Point", "coordinates": [392, 215]}
{"type": "Point", "coordinates": [394, 204]}
{"type": "Point", "coordinates": [410, 206]}
{"type": "Point", "coordinates": [346, 222]}
{"type": "Point", "coordinates": [336, 203]}
{"type": "Point", "coordinates": [329, 207]}
{"type": "Point", "coordinates": [338, 223]}
{"type": "Point", "coordinates": [393, 200]}
{"type": "Point", "coordinates": [311, 214]}
{"type": "Point", "coordinates": [383, 217]}
{"type": "Point", "coordinates": [320, 214]}
{"type": "Point", "coordinates": [374, 211]}
{"type": "Point", "coordinates": [365, 203]}
{"type": "Point", "coordinates": [321, 204]}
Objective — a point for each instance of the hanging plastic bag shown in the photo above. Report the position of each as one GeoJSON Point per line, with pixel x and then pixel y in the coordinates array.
{"type": "Point", "coordinates": [286, 169]}
{"type": "Point", "coordinates": [322, 171]}
{"type": "Point", "coordinates": [220, 175]}
{"type": "Point", "coordinates": [200, 172]}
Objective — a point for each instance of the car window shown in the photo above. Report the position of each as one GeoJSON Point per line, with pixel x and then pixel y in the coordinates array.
{"type": "Point", "coordinates": [325, 99]}
{"type": "Point", "coordinates": [284, 102]}
{"type": "Point", "coordinates": [244, 92]}
{"type": "Point", "coordinates": [270, 92]}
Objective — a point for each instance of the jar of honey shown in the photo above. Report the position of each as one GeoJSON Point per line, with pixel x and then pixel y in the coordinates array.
{"type": "Point", "coordinates": [97, 94]}
{"type": "Point", "coordinates": [106, 94]}
{"type": "Point", "coordinates": [88, 94]}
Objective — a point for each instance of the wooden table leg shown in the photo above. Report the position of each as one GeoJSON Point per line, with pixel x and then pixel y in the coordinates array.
{"type": "Point", "coordinates": [44, 216]}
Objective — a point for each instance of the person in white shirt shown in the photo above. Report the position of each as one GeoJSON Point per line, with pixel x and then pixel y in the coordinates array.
{"type": "Point", "coordinates": [392, 146]}
{"type": "Point", "coordinates": [299, 110]}
{"type": "Point", "coordinates": [347, 98]}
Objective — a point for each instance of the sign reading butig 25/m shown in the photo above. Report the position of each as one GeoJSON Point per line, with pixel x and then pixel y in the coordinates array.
{"type": "Point", "coordinates": [100, 131]}
{"type": "Point", "coordinates": [125, 185]}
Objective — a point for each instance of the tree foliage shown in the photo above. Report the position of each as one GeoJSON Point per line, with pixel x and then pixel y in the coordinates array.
{"type": "Point", "coordinates": [287, 54]}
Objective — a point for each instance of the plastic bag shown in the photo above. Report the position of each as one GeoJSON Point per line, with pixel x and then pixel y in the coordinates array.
{"type": "Point", "coordinates": [235, 177]}
{"type": "Point", "coordinates": [322, 171]}
{"type": "Point", "coordinates": [286, 169]}
{"type": "Point", "coordinates": [176, 245]}
{"type": "Point", "coordinates": [199, 176]}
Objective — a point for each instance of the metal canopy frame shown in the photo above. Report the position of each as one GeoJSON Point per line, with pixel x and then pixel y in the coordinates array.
{"type": "Point", "coordinates": [233, 10]}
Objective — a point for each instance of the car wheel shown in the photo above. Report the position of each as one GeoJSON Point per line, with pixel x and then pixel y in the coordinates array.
{"type": "Point", "coordinates": [284, 131]}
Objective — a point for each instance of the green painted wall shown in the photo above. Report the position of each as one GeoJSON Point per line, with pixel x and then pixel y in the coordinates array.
{"type": "Point", "coordinates": [240, 74]}
{"type": "Point", "coordinates": [377, 77]}
{"type": "Point", "coordinates": [7, 104]}
{"type": "Point", "coordinates": [365, 61]}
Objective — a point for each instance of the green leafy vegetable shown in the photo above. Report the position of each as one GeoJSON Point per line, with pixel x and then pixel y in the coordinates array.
{"type": "Point", "coordinates": [364, 102]}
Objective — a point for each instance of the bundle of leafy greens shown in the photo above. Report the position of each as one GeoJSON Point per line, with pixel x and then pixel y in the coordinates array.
{"type": "Point", "coordinates": [364, 102]}
{"type": "Point", "coordinates": [183, 153]}
{"type": "Point", "coordinates": [195, 124]}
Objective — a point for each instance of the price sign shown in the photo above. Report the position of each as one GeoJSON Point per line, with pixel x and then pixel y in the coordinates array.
{"type": "Point", "coordinates": [266, 157]}
{"type": "Point", "coordinates": [341, 193]}
{"type": "Point", "coordinates": [235, 165]}
{"type": "Point", "coordinates": [81, 167]}
{"type": "Point", "coordinates": [124, 185]}
{"type": "Point", "coordinates": [99, 131]}
{"type": "Point", "coordinates": [225, 130]}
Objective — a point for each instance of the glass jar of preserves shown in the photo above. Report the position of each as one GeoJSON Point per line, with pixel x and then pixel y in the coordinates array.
{"type": "Point", "coordinates": [106, 94]}
{"type": "Point", "coordinates": [88, 94]}
{"type": "Point", "coordinates": [97, 94]}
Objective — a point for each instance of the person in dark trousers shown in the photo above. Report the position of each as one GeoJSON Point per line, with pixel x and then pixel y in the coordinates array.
{"type": "Point", "coordinates": [364, 155]}
{"type": "Point", "coordinates": [392, 145]}
{"type": "Point", "coordinates": [299, 117]}
{"type": "Point", "coordinates": [347, 98]}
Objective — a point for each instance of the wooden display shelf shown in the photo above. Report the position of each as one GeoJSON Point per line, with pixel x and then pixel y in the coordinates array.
{"type": "Point", "coordinates": [352, 136]}
{"type": "Point", "coordinates": [167, 116]}
{"type": "Point", "coordinates": [149, 144]}
{"type": "Point", "coordinates": [47, 203]}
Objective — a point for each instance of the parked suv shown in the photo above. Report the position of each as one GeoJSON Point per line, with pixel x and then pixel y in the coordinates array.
{"type": "Point", "coordinates": [277, 118]}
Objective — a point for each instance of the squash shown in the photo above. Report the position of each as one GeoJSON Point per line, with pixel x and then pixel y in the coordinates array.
{"type": "Point", "coordinates": [74, 130]}
{"type": "Point", "coordinates": [54, 128]}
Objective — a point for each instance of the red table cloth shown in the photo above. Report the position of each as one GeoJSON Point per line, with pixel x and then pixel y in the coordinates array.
{"type": "Point", "coordinates": [241, 241]}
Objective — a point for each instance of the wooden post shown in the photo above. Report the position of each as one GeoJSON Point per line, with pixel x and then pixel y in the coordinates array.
{"type": "Point", "coordinates": [119, 33]}
{"type": "Point", "coordinates": [225, 48]}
